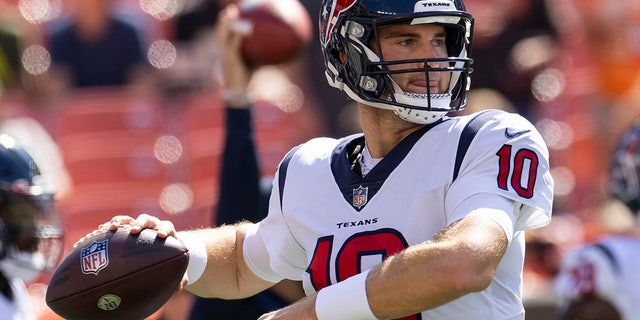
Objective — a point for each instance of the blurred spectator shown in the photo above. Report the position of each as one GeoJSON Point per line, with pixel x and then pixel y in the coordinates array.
{"type": "Point", "coordinates": [10, 46]}
{"type": "Point", "coordinates": [94, 47]}
{"type": "Point", "coordinates": [16, 36]}
{"type": "Point", "coordinates": [193, 36]}
{"type": "Point", "coordinates": [199, 18]}
{"type": "Point", "coordinates": [514, 41]}
{"type": "Point", "coordinates": [13, 29]}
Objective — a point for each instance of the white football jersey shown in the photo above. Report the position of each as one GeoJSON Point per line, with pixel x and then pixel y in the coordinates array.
{"type": "Point", "coordinates": [608, 268]}
{"type": "Point", "coordinates": [326, 222]}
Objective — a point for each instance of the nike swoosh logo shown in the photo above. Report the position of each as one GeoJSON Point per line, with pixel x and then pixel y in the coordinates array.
{"type": "Point", "coordinates": [511, 135]}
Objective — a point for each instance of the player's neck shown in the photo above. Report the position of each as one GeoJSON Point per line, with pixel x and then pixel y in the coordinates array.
{"type": "Point", "coordinates": [383, 130]}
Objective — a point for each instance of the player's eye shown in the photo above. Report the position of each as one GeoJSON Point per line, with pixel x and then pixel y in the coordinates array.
{"type": "Point", "coordinates": [439, 42]}
{"type": "Point", "coordinates": [406, 42]}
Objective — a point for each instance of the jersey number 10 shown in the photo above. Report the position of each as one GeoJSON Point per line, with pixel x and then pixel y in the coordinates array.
{"type": "Point", "coordinates": [383, 243]}
{"type": "Point", "coordinates": [522, 180]}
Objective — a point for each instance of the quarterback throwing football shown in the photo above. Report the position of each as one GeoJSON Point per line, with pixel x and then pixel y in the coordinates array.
{"type": "Point", "coordinates": [422, 216]}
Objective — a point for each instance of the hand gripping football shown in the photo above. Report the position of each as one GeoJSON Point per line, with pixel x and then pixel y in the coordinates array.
{"type": "Point", "coordinates": [117, 275]}
{"type": "Point", "coordinates": [278, 31]}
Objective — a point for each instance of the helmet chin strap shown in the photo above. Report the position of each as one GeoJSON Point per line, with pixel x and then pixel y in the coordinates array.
{"type": "Point", "coordinates": [438, 102]}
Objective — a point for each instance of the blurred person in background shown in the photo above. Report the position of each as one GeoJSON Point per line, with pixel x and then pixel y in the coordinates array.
{"type": "Point", "coordinates": [17, 35]}
{"type": "Point", "coordinates": [30, 229]}
{"type": "Point", "coordinates": [241, 195]}
{"type": "Point", "coordinates": [599, 280]}
{"type": "Point", "coordinates": [10, 46]}
{"type": "Point", "coordinates": [198, 19]}
{"type": "Point", "coordinates": [197, 49]}
{"type": "Point", "coordinates": [95, 48]}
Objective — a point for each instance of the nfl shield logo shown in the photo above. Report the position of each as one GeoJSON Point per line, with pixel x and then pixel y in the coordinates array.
{"type": "Point", "coordinates": [360, 196]}
{"type": "Point", "coordinates": [94, 257]}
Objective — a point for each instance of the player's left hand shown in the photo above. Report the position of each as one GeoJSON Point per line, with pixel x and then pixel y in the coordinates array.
{"type": "Point", "coordinates": [304, 309]}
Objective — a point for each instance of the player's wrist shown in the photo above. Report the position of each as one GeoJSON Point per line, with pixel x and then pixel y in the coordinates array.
{"type": "Point", "coordinates": [197, 255]}
{"type": "Point", "coordinates": [345, 300]}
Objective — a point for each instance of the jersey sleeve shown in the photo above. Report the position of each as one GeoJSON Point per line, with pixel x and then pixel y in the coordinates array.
{"type": "Point", "coordinates": [269, 249]}
{"type": "Point", "coordinates": [509, 158]}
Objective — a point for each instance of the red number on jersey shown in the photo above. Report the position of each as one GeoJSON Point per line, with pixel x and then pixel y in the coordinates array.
{"type": "Point", "coordinates": [382, 243]}
{"type": "Point", "coordinates": [584, 279]}
{"type": "Point", "coordinates": [520, 161]}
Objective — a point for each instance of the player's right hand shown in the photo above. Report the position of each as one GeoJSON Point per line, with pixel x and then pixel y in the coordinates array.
{"type": "Point", "coordinates": [164, 228]}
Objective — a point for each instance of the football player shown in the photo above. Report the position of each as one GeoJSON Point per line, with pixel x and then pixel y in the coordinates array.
{"type": "Point", "coordinates": [421, 216]}
{"type": "Point", "coordinates": [31, 236]}
{"type": "Point", "coordinates": [601, 276]}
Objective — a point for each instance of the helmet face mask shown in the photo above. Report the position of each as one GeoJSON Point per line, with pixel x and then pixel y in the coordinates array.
{"type": "Point", "coordinates": [19, 215]}
{"type": "Point", "coordinates": [28, 219]}
{"type": "Point", "coordinates": [349, 38]}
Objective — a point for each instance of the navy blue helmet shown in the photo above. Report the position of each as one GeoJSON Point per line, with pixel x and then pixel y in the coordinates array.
{"type": "Point", "coordinates": [349, 30]}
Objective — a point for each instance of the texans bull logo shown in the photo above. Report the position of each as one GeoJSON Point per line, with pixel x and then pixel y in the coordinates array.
{"type": "Point", "coordinates": [330, 15]}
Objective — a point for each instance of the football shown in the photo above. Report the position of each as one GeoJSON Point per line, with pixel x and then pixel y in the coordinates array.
{"type": "Point", "coordinates": [117, 275]}
{"type": "Point", "coordinates": [278, 31]}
